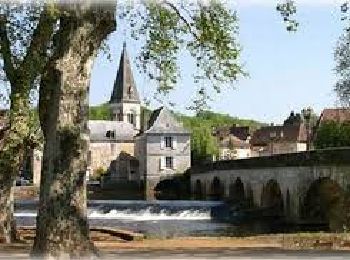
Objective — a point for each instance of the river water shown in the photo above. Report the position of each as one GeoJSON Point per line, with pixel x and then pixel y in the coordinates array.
{"type": "Point", "coordinates": [155, 219]}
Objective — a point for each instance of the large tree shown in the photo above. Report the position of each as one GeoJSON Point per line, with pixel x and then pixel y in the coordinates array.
{"type": "Point", "coordinates": [62, 228]}
{"type": "Point", "coordinates": [25, 31]}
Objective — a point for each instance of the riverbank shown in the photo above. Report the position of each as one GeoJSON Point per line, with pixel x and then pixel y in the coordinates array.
{"type": "Point", "coordinates": [301, 241]}
{"type": "Point", "coordinates": [110, 244]}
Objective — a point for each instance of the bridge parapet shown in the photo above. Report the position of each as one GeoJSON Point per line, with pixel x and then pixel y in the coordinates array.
{"type": "Point", "coordinates": [340, 156]}
{"type": "Point", "coordinates": [287, 176]}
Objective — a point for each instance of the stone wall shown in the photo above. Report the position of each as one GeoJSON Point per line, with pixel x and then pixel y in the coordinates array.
{"type": "Point", "coordinates": [294, 174]}
{"type": "Point", "coordinates": [339, 156]}
{"type": "Point", "coordinates": [103, 153]}
{"type": "Point", "coordinates": [154, 174]}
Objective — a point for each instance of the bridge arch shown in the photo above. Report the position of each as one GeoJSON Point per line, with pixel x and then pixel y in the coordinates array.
{"type": "Point", "coordinates": [324, 203]}
{"type": "Point", "coordinates": [272, 198]}
{"type": "Point", "coordinates": [236, 191]}
{"type": "Point", "coordinates": [217, 189]}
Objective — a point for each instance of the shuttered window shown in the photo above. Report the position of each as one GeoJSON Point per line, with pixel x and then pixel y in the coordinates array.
{"type": "Point", "coordinates": [169, 162]}
{"type": "Point", "coordinates": [174, 144]}
{"type": "Point", "coordinates": [162, 163]}
{"type": "Point", "coordinates": [168, 142]}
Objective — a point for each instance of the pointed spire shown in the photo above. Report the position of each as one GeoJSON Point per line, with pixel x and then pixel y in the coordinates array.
{"type": "Point", "coordinates": [124, 89]}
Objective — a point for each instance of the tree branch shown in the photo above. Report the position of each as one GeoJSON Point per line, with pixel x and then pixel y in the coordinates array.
{"type": "Point", "coordinates": [187, 23]}
{"type": "Point", "coordinates": [9, 69]}
{"type": "Point", "coordinates": [36, 57]}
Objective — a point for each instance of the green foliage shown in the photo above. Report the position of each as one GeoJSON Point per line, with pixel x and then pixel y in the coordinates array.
{"type": "Point", "coordinates": [99, 173]}
{"type": "Point", "coordinates": [100, 112]}
{"type": "Point", "coordinates": [203, 144]}
{"type": "Point", "coordinates": [207, 30]}
{"type": "Point", "coordinates": [217, 119]}
{"type": "Point", "coordinates": [342, 68]}
{"type": "Point", "coordinates": [332, 134]}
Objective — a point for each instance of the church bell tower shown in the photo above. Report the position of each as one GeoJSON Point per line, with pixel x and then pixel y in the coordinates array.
{"type": "Point", "coordinates": [125, 101]}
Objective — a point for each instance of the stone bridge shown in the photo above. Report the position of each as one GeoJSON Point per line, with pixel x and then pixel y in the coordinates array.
{"type": "Point", "coordinates": [287, 179]}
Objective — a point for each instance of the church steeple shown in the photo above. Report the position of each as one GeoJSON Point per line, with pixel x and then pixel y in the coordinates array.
{"type": "Point", "coordinates": [124, 89]}
{"type": "Point", "coordinates": [125, 101]}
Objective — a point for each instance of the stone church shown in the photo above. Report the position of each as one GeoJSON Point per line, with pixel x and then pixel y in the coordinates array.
{"type": "Point", "coordinates": [132, 148]}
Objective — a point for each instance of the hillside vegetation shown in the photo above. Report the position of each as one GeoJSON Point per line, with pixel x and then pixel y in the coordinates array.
{"type": "Point", "coordinates": [203, 144]}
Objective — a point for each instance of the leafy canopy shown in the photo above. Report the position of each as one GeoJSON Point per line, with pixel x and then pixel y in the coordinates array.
{"type": "Point", "coordinates": [207, 30]}
{"type": "Point", "coordinates": [332, 134]}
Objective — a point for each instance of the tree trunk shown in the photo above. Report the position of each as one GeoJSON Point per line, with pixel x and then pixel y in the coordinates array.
{"type": "Point", "coordinates": [15, 139]}
{"type": "Point", "coordinates": [11, 157]}
{"type": "Point", "coordinates": [7, 221]}
{"type": "Point", "coordinates": [62, 227]}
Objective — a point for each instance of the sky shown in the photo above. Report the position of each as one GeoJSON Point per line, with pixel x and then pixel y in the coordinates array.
{"type": "Point", "coordinates": [287, 71]}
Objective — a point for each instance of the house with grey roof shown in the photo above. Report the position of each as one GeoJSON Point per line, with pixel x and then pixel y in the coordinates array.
{"type": "Point", "coordinates": [163, 149]}
{"type": "Point", "coordinates": [160, 150]}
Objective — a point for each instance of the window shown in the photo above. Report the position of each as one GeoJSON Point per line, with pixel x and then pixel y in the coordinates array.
{"type": "Point", "coordinates": [119, 117]}
{"type": "Point", "coordinates": [110, 134]}
{"type": "Point", "coordinates": [169, 162]}
{"type": "Point", "coordinates": [131, 119]}
{"type": "Point", "coordinates": [130, 92]}
{"type": "Point", "coordinates": [168, 142]}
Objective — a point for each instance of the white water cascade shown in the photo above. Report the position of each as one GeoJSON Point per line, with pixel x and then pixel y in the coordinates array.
{"type": "Point", "coordinates": [148, 215]}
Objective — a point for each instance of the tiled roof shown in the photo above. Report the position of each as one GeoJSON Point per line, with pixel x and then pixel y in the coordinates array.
{"type": "Point", "coordinates": [339, 115]}
{"type": "Point", "coordinates": [233, 142]}
{"type": "Point", "coordinates": [241, 132]}
{"type": "Point", "coordinates": [280, 133]}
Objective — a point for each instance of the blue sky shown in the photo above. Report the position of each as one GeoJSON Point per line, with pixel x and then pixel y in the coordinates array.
{"type": "Point", "coordinates": [287, 71]}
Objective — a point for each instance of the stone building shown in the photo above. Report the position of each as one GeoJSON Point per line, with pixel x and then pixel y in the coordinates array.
{"type": "Point", "coordinates": [233, 142]}
{"type": "Point", "coordinates": [339, 115]}
{"type": "Point", "coordinates": [280, 139]}
{"type": "Point", "coordinates": [159, 151]}
{"type": "Point", "coordinates": [108, 141]}
{"type": "Point", "coordinates": [163, 149]}
{"type": "Point", "coordinates": [233, 148]}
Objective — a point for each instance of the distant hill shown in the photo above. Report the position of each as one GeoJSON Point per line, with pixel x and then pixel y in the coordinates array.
{"type": "Point", "coordinates": [100, 112]}
{"type": "Point", "coordinates": [214, 119]}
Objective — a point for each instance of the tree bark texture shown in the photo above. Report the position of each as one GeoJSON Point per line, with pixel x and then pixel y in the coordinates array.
{"type": "Point", "coordinates": [11, 157]}
{"type": "Point", "coordinates": [62, 227]}
{"type": "Point", "coordinates": [14, 138]}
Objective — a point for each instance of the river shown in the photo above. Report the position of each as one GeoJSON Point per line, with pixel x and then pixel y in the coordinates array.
{"type": "Point", "coordinates": [163, 219]}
